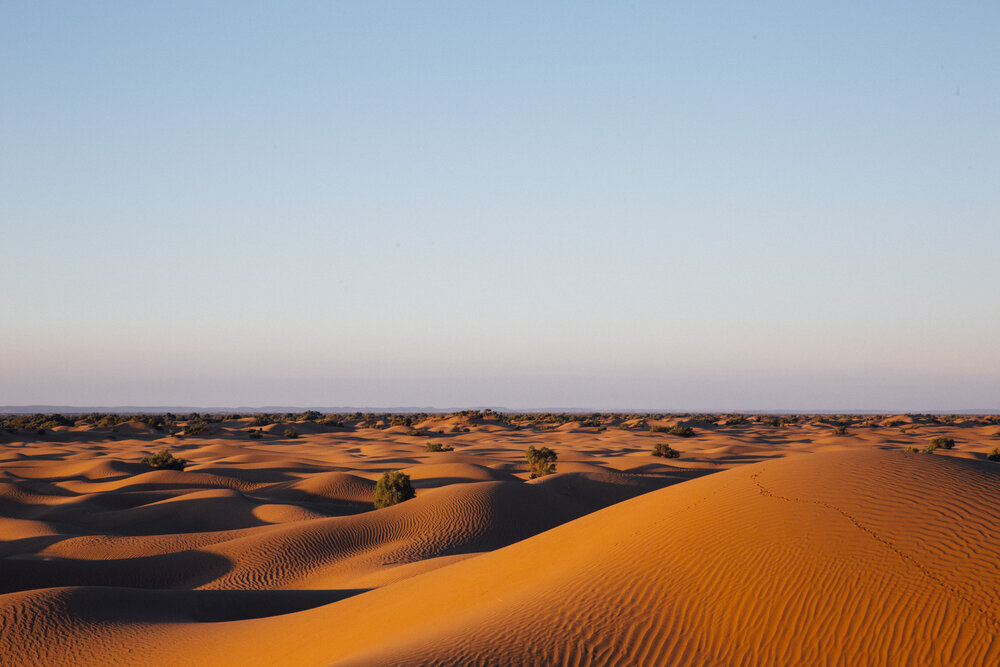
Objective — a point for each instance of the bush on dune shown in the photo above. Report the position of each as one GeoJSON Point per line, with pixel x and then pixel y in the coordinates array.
{"type": "Point", "coordinates": [665, 450]}
{"type": "Point", "coordinates": [393, 488]}
{"type": "Point", "coordinates": [164, 460]}
{"type": "Point", "coordinates": [439, 447]}
{"type": "Point", "coordinates": [942, 443]}
{"type": "Point", "coordinates": [541, 461]}
{"type": "Point", "coordinates": [682, 430]}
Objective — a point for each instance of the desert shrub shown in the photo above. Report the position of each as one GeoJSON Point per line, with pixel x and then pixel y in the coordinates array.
{"type": "Point", "coordinates": [311, 415]}
{"type": "Point", "coordinates": [438, 447]}
{"type": "Point", "coordinates": [994, 455]}
{"type": "Point", "coordinates": [393, 488]}
{"type": "Point", "coordinates": [164, 460]}
{"type": "Point", "coordinates": [196, 427]}
{"type": "Point", "coordinates": [910, 449]}
{"type": "Point", "coordinates": [943, 443]}
{"type": "Point", "coordinates": [665, 450]}
{"type": "Point", "coordinates": [291, 433]}
{"type": "Point", "coordinates": [262, 420]}
{"type": "Point", "coordinates": [255, 434]}
{"type": "Point", "coordinates": [658, 429]}
{"type": "Point", "coordinates": [839, 429]}
{"type": "Point", "coordinates": [414, 432]}
{"type": "Point", "coordinates": [682, 430]}
{"type": "Point", "coordinates": [541, 461]}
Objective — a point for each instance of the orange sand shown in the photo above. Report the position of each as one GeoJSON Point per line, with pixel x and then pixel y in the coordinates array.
{"type": "Point", "coordinates": [760, 545]}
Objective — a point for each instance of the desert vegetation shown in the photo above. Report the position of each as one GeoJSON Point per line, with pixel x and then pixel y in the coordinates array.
{"type": "Point", "coordinates": [393, 488]}
{"type": "Point", "coordinates": [164, 460]}
{"type": "Point", "coordinates": [541, 461]}
{"type": "Point", "coordinates": [665, 450]}
{"type": "Point", "coordinates": [942, 443]}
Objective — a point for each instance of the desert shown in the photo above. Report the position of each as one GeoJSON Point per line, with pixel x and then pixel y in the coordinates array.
{"type": "Point", "coordinates": [755, 539]}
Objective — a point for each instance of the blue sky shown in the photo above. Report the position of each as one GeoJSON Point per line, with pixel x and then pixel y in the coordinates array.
{"type": "Point", "coordinates": [645, 205]}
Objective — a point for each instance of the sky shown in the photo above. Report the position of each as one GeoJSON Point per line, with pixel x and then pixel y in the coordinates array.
{"type": "Point", "coordinates": [646, 205]}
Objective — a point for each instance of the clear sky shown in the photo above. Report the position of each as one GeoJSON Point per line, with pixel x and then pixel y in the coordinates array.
{"type": "Point", "coordinates": [673, 206]}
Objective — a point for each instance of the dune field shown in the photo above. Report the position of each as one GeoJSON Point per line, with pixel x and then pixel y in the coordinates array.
{"type": "Point", "coordinates": [767, 541]}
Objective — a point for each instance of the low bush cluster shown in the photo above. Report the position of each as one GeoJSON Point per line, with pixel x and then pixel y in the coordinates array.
{"type": "Point", "coordinates": [665, 450]}
{"type": "Point", "coordinates": [942, 443]}
{"type": "Point", "coordinates": [541, 461]}
{"type": "Point", "coordinates": [393, 488]}
{"type": "Point", "coordinates": [682, 430]}
{"type": "Point", "coordinates": [164, 460]}
{"type": "Point", "coordinates": [196, 427]}
{"type": "Point", "coordinates": [438, 447]}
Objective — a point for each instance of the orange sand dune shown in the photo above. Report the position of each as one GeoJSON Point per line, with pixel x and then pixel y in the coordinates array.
{"type": "Point", "coordinates": [748, 549]}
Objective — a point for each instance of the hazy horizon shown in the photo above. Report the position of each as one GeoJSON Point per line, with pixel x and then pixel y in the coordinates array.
{"type": "Point", "coordinates": [524, 205]}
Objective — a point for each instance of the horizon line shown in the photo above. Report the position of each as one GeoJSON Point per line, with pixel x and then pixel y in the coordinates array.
{"type": "Point", "coordinates": [126, 409]}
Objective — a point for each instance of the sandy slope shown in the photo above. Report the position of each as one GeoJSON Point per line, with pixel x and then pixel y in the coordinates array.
{"type": "Point", "coordinates": [266, 552]}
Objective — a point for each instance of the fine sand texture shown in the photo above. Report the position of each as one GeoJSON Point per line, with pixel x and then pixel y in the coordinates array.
{"type": "Point", "coordinates": [767, 541]}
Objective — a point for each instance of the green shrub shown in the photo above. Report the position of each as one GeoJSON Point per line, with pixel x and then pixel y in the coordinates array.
{"type": "Point", "coordinates": [541, 461]}
{"type": "Point", "coordinates": [911, 450]}
{"type": "Point", "coordinates": [291, 433]}
{"type": "Point", "coordinates": [164, 460]}
{"type": "Point", "coordinates": [196, 427]}
{"type": "Point", "coordinates": [255, 434]}
{"type": "Point", "coordinates": [682, 430]}
{"type": "Point", "coordinates": [393, 488]}
{"type": "Point", "coordinates": [438, 447]}
{"type": "Point", "coordinates": [665, 450]}
{"type": "Point", "coordinates": [943, 443]}
{"type": "Point", "coordinates": [994, 455]}
{"type": "Point", "coordinates": [839, 429]}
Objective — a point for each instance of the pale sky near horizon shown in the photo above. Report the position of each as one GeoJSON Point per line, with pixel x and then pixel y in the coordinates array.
{"type": "Point", "coordinates": [668, 206]}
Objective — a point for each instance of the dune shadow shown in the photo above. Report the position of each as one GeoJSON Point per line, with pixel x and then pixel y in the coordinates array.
{"type": "Point", "coordinates": [216, 606]}
{"type": "Point", "coordinates": [183, 569]}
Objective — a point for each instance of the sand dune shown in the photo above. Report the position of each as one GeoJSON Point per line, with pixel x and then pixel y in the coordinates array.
{"type": "Point", "coordinates": [763, 546]}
